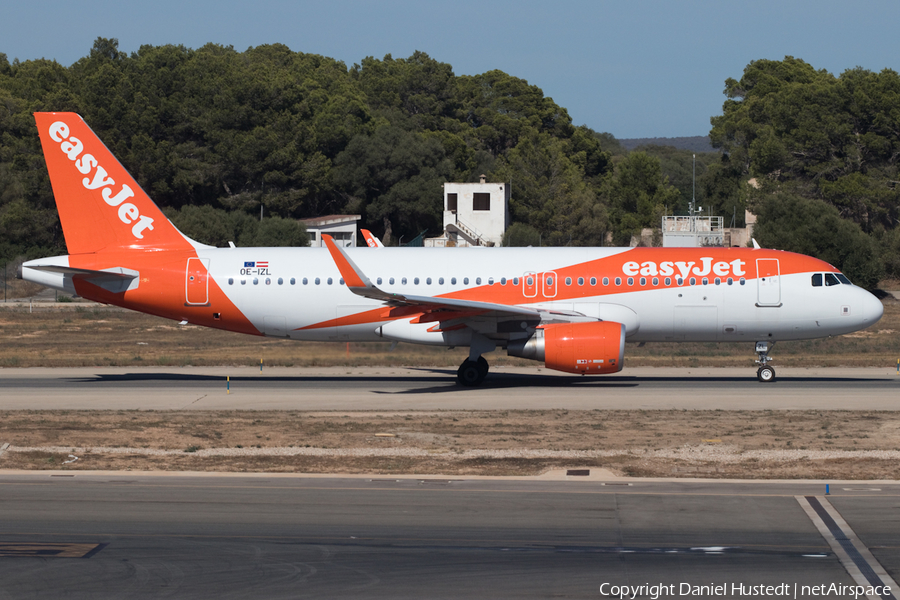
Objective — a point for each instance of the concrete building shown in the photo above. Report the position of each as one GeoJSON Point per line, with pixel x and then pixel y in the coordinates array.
{"type": "Point", "coordinates": [341, 227]}
{"type": "Point", "coordinates": [475, 214]}
{"type": "Point", "coordinates": [693, 232]}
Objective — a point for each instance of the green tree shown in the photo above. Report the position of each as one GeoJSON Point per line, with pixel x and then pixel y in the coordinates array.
{"type": "Point", "coordinates": [396, 174]}
{"type": "Point", "coordinates": [638, 195]}
{"type": "Point", "coordinates": [549, 192]}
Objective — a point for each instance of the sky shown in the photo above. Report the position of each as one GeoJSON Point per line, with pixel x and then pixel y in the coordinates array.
{"type": "Point", "coordinates": [631, 68]}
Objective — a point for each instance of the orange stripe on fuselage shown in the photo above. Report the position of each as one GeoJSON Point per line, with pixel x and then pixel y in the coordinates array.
{"type": "Point", "coordinates": [622, 265]}
{"type": "Point", "coordinates": [614, 266]}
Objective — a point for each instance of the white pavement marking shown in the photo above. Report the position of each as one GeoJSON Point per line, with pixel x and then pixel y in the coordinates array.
{"type": "Point", "coordinates": [864, 568]}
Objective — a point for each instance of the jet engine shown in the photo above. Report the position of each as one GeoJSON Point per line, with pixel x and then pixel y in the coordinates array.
{"type": "Point", "coordinates": [592, 348]}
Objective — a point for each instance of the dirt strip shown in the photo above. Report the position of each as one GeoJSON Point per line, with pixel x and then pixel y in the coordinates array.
{"type": "Point", "coordinates": [661, 443]}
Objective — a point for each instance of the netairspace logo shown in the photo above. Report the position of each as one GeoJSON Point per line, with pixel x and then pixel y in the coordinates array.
{"type": "Point", "coordinates": [732, 590]}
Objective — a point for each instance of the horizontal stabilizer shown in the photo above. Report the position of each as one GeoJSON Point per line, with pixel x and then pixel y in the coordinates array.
{"type": "Point", "coordinates": [115, 279]}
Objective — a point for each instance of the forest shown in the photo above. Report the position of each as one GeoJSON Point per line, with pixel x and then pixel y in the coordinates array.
{"type": "Point", "coordinates": [216, 137]}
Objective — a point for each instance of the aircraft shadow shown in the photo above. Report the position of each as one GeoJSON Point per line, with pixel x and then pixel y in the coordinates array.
{"type": "Point", "coordinates": [494, 381]}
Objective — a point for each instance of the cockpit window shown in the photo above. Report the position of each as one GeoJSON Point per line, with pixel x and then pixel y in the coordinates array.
{"type": "Point", "coordinates": [817, 280]}
{"type": "Point", "coordinates": [830, 279]}
{"type": "Point", "coordinates": [843, 278]}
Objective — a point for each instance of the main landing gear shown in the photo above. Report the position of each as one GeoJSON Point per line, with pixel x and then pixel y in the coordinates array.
{"type": "Point", "coordinates": [765, 373]}
{"type": "Point", "coordinates": [472, 372]}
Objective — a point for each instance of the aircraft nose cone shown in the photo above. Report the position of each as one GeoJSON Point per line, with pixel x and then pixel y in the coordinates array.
{"type": "Point", "coordinates": [872, 308]}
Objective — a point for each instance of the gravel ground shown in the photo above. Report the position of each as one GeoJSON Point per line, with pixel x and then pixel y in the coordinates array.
{"type": "Point", "coordinates": [733, 444]}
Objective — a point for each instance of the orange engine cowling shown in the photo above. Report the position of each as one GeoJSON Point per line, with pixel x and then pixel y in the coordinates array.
{"type": "Point", "coordinates": [587, 348]}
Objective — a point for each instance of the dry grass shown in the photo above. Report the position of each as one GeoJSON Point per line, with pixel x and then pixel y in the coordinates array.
{"type": "Point", "coordinates": [443, 435]}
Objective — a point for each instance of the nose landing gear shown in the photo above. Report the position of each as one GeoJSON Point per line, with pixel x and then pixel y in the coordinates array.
{"type": "Point", "coordinates": [765, 373]}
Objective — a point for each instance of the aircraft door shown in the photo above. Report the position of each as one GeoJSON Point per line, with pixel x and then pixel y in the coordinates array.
{"type": "Point", "coordinates": [548, 282]}
{"type": "Point", "coordinates": [768, 282]}
{"type": "Point", "coordinates": [529, 285]}
{"type": "Point", "coordinates": [196, 282]}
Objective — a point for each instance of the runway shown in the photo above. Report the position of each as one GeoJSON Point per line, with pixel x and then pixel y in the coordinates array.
{"type": "Point", "coordinates": [393, 388]}
{"type": "Point", "coordinates": [186, 536]}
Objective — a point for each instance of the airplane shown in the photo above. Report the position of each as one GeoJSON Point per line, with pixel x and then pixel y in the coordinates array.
{"type": "Point", "coordinates": [371, 240]}
{"type": "Point", "coordinates": [572, 309]}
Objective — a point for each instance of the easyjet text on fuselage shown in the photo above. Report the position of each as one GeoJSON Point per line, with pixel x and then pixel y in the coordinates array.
{"type": "Point", "coordinates": [667, 268]}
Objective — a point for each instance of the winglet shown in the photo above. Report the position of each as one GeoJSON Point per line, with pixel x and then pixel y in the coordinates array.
{"type": "Point", "coordinates": [353, 276]}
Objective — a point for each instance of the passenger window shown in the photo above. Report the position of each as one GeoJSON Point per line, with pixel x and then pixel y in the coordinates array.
{"type": "Point", "coordinates": [568, 281]}
{"type": "Point", "coordinates": [416, 280]}
{"type": "Point", "coordinates": [256, 281]}
{"type": "Point", "coordinates": [305, 281]}
{"type": "Point", "coordinates": [581, 281]}
{"type": "Point", "coordinates": [606, 281]}
{"type": "Point", "coordinates": [378, 281]}
{"type": "Point", "coordinates": [293, 281]}
{"type": "Point", "coordinates": [403, 281]}
{"type": "Point", "coordinates": [631, 281]}
{"type": "Point", "coordinates": [693, 281]}
{"type": "Point", "coordinates": [490, 281]}
{"type": "Point", "coordinates": [705, 281]}
{"type": "Point", "coordinates": [817, 280]}
{"type": "Point", "coordinates": [440, 281]}
{"type": "Point", "coordinates": [618, 281]}
{"type": "Point", "coordinates": [478, 281]}
{"type": "Point", "coordinates": [679, 281]}
{"type": "Point", "coordinates": [231, 281]}
{"type": "Point", "coordinates": [453, 281]}
{"type": "Point", "coordinates": [341, 281]}
{"type": "Point", "coordinates": [743, 281]}
{"type": "Point", "coordinates": [318, 281]}
{"type": "Point", "coordinates": [465, 281]}
{"type": "Point", "coordinates": [655, 281]}
{"type": "Point", "coordinates": [643, 281]}
{"type": "Point", "coordinates": [280, 281]}
{"type": "Point", "coordinates": [730, 281]}
{"type": "Point", "coordinates": [830, 280]}
{"type": "Point", "coordinates": [515, 281]}
{"type": "Point", "coordinates": [243, 282]}
{"type": "Point", "coordinates": [428, 281]}
{"type": "Point", "coordinates": [529, 282]}
{"type": "Point", "coordinates": [593, 281]}
{"type": "Point", "coordinates": [330, 281]}
{"type": "Point", "coordinates": [549, 281]}
{"type": "Point", "coordinates": [391, 281]}
{"type": "Point", "coordinates": [668, 281]}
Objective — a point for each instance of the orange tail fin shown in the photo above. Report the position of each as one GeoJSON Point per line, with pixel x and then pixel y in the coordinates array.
{"type": "Point", "coordinates": [100, 204]}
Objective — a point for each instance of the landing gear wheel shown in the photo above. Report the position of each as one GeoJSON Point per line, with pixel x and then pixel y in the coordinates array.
{"type": "Point", "coordinates": [766, 374]}
{"type": "Point", "coordinates": [472, 372]}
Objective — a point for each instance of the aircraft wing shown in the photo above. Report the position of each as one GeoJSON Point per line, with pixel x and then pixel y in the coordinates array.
{"type": "Point", "coordinates": [359, 284]}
